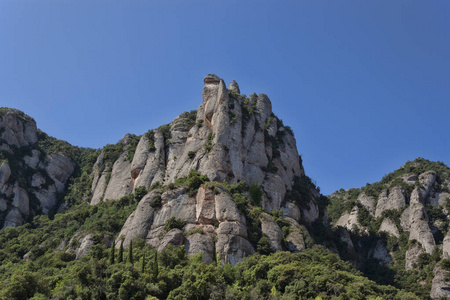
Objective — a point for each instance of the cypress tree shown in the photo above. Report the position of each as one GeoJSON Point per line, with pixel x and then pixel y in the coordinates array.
{"type": "Point", "coordinates": [155, 264]}
{"type": "Point", "coordinates": [120, 259]}
{"type": "Point", "coordinates": [143, 263]}
{"type": "Point", "coordinates": [130, 253]}
{"type": "Point", "coordinates": [112, 253]}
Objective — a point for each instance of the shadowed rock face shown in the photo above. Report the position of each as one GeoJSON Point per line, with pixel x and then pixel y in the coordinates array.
{"type": "Point", "coordinates": [30, 179]}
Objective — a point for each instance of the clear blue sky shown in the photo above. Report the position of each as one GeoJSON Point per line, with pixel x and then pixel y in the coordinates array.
{"type": "Point", "coordinates": [365, 85]}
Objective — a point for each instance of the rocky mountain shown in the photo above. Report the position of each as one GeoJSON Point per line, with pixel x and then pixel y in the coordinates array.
{"type": "Point", "coordinates": [225, 181]}
{"type": "Point", "coordinates": [234, 141]}
{"type": "Point", "coordinates": [402, 223]}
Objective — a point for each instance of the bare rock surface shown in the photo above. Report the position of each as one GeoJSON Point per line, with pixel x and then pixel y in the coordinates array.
{"type": "Point", "coordinates": [174, 237]}
{"type": "Point", "coordinates": [392, 199]}
{"type": "Point", "coordinates": [272, 231]}
{"type": "Point", "coordinates": [349, 220]}
{"type": "Point", "coordinates": [200, 243]}
{"type": "Point", "coordinates": [440, 286]}
{"type": "Point", "coordinates": [389, 226]}
{"type": "Point", "coordinates": [139, 222]}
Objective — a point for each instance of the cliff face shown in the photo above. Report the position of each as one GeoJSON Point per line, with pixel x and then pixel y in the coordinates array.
{"type": "Point", "coordinates": [31, 179]}
{"type": "Point", "coordinates": [230, 138]}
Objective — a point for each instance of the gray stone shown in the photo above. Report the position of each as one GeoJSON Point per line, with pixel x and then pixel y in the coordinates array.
{"type": "Point", "coordinates": [178, 204]}
{"type": "Point", "coordinates": [174, 237]}
{"type": "Point", "coordinates": [200, 243]}
{"type": "Point", "coordinates": [234, 228]}
{"type": "Point", "coordinates": [59, 167]}
{"type": "Point", "coordinates": [5, 172]}
{"type": "Point", "coordinates": [120, 183]}
{"type": "Point", "coordinates": [13, 218]}
{"type": "Point", "coordinates": [138, 223]}
{"type": "Point", "coordinates": [440, 286]}
{"type": "Point", "coordinates": [273, 232]}
{"type": "Point", "coordinates": [21, 200]}
{"type": "Point", "coordinates": [389, 226]}
{"type": "Point", "coordinates": [232, 248]}
{"type": "Point", "coordinates": [290, 210]}
{"type": "Point", "coordinates": [394, 199]}
{"type": "Point", "coordinates": [234, 86]}
{"type": "Point", "coordinates": [86, 242]}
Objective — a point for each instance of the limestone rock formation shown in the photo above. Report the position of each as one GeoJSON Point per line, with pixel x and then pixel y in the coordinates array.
{"type": "Point", "coordinates": [30, 178]}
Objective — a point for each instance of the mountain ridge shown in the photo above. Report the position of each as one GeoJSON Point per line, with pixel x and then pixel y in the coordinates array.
{"type": "Point", "coordinates": [225, 181]}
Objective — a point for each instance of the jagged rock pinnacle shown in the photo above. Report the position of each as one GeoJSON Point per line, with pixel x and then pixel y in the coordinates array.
{"type": "Point", "coordinates": [234, 86]}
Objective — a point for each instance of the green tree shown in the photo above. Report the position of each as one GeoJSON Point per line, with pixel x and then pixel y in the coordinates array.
{"type": "Point", "coordinates": [120, 259]}
{"type": "Point", "coordinates": [155, 264]}
{"type": "Point", "coordinates": [112, 253]}
{"type": "Point", "coordinates": [143, 263]}
{"type": "Point", "coordinates": [130, 252]}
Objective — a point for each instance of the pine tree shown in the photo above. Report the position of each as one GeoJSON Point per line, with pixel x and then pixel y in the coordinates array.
{"type": "Point", "coordinates": [130, 253]}
{"type": "Point", "coordinates": [112, 253]}
{"type": "Point", "coordinates": [120, 259]}
{"type": "Point", "coordinates": [143, 263]}
{"type": "Point", "coordinates": [155, 264]}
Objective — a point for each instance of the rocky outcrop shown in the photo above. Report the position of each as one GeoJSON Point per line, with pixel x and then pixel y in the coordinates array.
{"type": "Point", "coordinates": [36, 176]}
{"type": "Point", "coordinates": [390, 199]}
{"type": "Point", "coordinates": [272, 231]}
{"type": "Point", "coordinates": [18, 130]}
{"type": "Point", "coordinates": [349, 220]}
{"type": "Point", "coordinates": [389, 227]}
{"type": "Point", "coordinates": [234, 87]}
{"type": "Point", "coordinates": [139, 222]}
{"type": "Point", "coordinates": [86, 242]}
{"type": "Point", "coordinates": [295, 239]}
{"type": "Point", "coordinates": [440, 286]}
{"type": "Point", "coordinates": [233, 138]}
{"type": "Point", "coordinates": [367, 201]}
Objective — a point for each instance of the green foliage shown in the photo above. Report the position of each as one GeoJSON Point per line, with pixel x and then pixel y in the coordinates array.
{"type": "Point", "coordinates": [174, 223]}
{"type": "Point", "coordinates": [209, 144]}
{"type": "Point", "coordinates": [132, 143]}
{"type": "Point", "coordinates": [151, 140]}
{"type": "Point", "coordinates": [156, 202]}
{"type": "Point", "coordinates": [300, 193]}
{"type": "Point", "coordinates": [264, 246]}
{"type": "Point", "coordinates": [191, 154]}
{"type": "Point", "coordinates": [112, 153]}
{"type": "Point", "coordinates": [112, 254]}
{"type": "Point", "coordinates": [193, 181]}
{"type": "Point", "coordinates": [140, 192]}
{"type": "Point", "coordinates": [130, 253]}
{"type": "Point", "coordinates": [120, 259]}
{"type": "Point", "coordinates": [255, 194]}
{"type": "Point", "coordinates": [165, 130]}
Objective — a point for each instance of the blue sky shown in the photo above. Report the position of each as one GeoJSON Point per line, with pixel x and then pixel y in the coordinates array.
{"type": "Point", "coordinates": [365, 85]}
